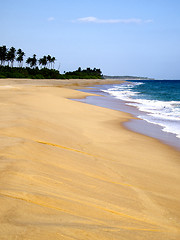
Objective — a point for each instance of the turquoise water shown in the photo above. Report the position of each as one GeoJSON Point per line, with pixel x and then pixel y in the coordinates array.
{"type": "Point", "coordinates": [157, 100]}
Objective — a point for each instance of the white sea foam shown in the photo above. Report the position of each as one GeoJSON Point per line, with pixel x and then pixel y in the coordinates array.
{"type": "Point", "coordinates": [167, 126]}
{"type": "Point", "coordinates": [124, 91]}
{"type": "Point", "coordinates": [163, 113]}
{"type": "Point", "coordinates": [158, 109]}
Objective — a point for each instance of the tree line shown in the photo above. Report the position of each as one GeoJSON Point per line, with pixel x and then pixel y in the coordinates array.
{"type": "Point", "coordinates": [11, 55]}
{"type": "Point", "coordinates": [86, 73]}
{"type": "Point", "coordinates": [46, 64]}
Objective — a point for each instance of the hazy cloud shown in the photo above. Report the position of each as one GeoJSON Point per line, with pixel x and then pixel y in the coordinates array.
{"type": "Point", "coordinates": [51, 19]}
{"type": "Point", "coordinates": [148, 21]}
{"type": "Point", "coordinates": [97, 20]}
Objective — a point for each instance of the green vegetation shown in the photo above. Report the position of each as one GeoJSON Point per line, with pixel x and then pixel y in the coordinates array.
{"type": "Point", "coordinates": [34, 73]}
{"type": "Point", "coordinates": [84, 74]}
{"type": "Point", "coordinates": [44, 71]}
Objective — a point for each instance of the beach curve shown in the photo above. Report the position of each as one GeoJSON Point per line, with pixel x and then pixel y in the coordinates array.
{"type": "Point", "coordinates": [71, 171]}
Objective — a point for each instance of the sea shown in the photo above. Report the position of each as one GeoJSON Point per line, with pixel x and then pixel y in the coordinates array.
{"type": "Point", "coordinates": [156, 104]}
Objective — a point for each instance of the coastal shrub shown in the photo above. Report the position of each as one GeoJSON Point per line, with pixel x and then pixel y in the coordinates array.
{"type": "Point", "coordinates": [46, 73]}
{"type": "Point", "coordinates": [2, 76]}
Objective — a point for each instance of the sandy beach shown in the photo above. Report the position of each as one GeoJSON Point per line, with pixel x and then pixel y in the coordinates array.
{"type": "Point", "coordinates": [69, 170]}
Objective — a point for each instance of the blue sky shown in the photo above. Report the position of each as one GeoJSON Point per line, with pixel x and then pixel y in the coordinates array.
{"type": "Point", "coordinates": [121, 37]}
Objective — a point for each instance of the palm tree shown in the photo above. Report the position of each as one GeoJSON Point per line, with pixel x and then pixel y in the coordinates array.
{"type": "Point", "coordinates": [49, 59]}
{"type": "Point", "coordinates": [19, 59]}
{"type": "Point", "coordinates": [11, 55]}
{"type": "Point", "coordinates": [40, 62]}
{"type": "Point", "coordinates": [3, 53]}
{"type": "Point", "coordinates": [8, 57]}
{"type": "Point", "coordinates": [53, 59]}
{"type": "Point", "coordinates": [44, 61]}
{"type": "Point", "coordinates": [32, 61]}
{"type": "Point", "coordinates": [28, 61]}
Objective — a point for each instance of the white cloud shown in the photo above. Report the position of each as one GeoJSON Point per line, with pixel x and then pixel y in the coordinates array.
{"type": "Point", "coordinates": [97, 20]}
{"type": "Point", "coordinates": [148, 21]}
{"type": "Point", "coordinates": [51, 19]}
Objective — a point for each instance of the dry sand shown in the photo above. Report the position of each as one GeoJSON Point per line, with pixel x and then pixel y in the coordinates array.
{"type": "Point", "coordinates": [69, 170]}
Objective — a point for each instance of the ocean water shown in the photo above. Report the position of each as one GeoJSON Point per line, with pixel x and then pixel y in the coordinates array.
{"type": "Point", "coordinates": [157, 100]}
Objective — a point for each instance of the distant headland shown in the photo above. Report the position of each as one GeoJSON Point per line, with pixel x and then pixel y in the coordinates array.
{"type": "Point", "coordinates": [127, 77]}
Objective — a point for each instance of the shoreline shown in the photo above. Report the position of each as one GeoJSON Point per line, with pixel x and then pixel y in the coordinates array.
{"type": "Point", "coordinates": [70, 170]}
{"type": "Point", "coordinates": [136, 124]}
{"type": "Point", "coordinates": [73, 83]}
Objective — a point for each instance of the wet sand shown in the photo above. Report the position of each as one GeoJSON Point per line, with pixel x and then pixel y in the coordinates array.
{"type": "Point", "coordinates": [136, 124]}
{"type": "Point", "coordinates": [70, 170]}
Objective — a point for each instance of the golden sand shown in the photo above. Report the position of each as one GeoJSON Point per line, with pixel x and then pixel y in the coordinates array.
{"type": "Point", "coordinates": [69, 170]}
